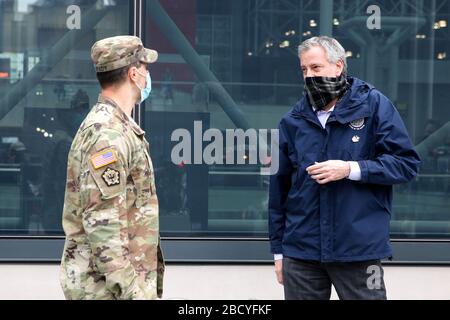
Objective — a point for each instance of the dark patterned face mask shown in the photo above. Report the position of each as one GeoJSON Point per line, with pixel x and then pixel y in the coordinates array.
{"type": "Point", "coordinates": [322, 90]}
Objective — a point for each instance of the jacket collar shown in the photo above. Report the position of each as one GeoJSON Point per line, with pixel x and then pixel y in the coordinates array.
{"type": "Point", "coordinates": [352, 106]}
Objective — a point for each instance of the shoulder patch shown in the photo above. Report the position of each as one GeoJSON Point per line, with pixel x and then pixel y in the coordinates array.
{"type": "Point", "coordinates": [111, 177]}
{"type": "Point", "coordinates": [103, 158]}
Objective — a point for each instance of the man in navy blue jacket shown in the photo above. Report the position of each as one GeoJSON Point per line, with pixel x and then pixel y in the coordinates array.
{"type": "Point", "coordinates": [342, 148]}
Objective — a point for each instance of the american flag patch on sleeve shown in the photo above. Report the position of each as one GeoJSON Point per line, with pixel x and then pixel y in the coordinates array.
{"type": "Point", "coordinates": [104, 158]}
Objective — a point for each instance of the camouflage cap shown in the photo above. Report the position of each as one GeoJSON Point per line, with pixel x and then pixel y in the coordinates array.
{"type": "Point", "coordinates": [118, 52]}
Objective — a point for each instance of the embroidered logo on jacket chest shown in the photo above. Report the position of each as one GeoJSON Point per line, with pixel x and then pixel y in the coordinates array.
{"type": "Point", "coordinates": [358, 124]}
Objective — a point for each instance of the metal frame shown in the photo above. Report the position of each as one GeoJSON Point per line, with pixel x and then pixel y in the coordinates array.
{"type": "Point", "coordinates": [204, 250]}
{"type": "Point", "coordinates": [136, 23]}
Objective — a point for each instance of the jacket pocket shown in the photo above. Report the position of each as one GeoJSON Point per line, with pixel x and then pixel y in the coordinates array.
{"type": "Point", "coordinates": [380, 197]}
{"type": "Point", "coordinates": [142, 176]}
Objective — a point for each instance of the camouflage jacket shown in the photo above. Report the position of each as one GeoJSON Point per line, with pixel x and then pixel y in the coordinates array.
{"type": "Point", "coordinates": [110, 216]}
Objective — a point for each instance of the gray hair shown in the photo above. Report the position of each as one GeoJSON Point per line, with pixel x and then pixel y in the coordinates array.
{"type": "Point", "coordinates": [334, 50]}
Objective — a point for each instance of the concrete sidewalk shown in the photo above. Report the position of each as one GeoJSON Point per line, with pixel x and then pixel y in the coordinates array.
{"type": "Point", "coordinates": [228, 282]}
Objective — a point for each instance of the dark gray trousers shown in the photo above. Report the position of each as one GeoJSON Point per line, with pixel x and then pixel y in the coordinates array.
{"type": "Point", "coordinates": [312, 280]}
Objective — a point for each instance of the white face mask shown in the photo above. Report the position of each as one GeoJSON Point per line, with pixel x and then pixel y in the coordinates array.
{"type": "Point", "coordinates": [145, 92]}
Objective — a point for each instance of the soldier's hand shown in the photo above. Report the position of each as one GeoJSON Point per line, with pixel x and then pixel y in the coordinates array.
{"type": "Point", "coordinates": [279, 271]}
{"type": "Point", "coordinates": [328, 171]}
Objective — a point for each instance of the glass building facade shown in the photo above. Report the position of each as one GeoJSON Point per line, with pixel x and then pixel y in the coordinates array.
{"type": "Point", "coordinates": [223, 65]}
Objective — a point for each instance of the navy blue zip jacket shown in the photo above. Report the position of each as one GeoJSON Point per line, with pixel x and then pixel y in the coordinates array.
{"type": "Point", "coordinates": [344, 220]}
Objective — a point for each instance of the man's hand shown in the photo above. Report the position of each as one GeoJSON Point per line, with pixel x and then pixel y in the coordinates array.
{"type": "Point", "coordinates": [328, 171]}
{"type": "Point", "coordinates": [279, 271]}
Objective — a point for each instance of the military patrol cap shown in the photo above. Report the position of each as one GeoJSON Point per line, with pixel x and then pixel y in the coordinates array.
{"type": "Point", "coordinates": [120, 51]}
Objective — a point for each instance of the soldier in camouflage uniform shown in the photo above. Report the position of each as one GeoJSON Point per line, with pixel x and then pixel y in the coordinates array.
{"type": "Point", "coordinates": [110, 216]}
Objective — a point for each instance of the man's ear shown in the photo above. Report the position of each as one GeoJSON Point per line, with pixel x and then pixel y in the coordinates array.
{"type": "Point", "coordinates": [132, 73]}
{"type": "Point", "coordinates": [340, 67]}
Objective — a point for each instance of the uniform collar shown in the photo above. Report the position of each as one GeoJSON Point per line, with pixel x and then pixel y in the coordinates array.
{"type": "Point", "coordinates": [123, 117]}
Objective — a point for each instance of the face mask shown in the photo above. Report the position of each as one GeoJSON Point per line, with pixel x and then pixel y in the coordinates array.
{"type": "Point", "coordinates": [322, 90]}
{"type": "Point", "coordinates": [145, 92]}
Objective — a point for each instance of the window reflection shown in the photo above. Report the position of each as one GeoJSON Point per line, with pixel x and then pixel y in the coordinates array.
{"type": "Point", "coordinates": [47, 86]}
{"type": "Point", "coordinates": [235, 66]}
{"type": "Point", "coordinates": [250, 48]}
